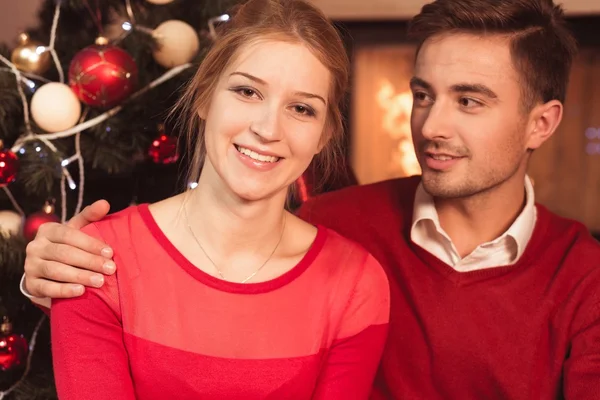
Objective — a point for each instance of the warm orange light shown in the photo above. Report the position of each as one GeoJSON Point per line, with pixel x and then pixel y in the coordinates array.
{"type": "Point", "coordinates": [396, 122]}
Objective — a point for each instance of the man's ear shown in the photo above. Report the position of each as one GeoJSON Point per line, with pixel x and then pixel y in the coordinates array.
{"type": "Point", "coordinates": [544, 118]}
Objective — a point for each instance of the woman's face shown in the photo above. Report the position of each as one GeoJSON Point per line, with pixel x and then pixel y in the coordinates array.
{"type": "Point", "coordinates": [266, 119]}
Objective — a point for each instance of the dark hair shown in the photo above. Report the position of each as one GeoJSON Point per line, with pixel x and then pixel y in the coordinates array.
{"type": "Point", "coordinates": [295, 21]}
{"type": "Point", "coordinates": [542, 47]}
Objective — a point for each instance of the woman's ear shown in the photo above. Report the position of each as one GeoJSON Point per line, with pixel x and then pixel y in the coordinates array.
{"type": "Point", "coordinates": [325, 138]}
{"type": "Point", "coordinates": [202, 113]}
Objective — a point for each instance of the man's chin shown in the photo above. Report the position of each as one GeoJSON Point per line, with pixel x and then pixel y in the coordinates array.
{"type": "Point", "coordinates": [443, 187]}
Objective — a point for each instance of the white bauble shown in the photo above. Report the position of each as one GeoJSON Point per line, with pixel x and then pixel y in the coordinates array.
{"type": "Point", "coordinates": [10, 223]}
{"type": "Point", "coordinates": [55, 108]}
{"type": "Point", "coordinates": [177, 43]}
{"type": "Point", "coordinates": [159, 1]}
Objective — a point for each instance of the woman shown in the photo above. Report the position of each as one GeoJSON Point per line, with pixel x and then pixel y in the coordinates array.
{"type": "Point", "coordinates": [220, 292]}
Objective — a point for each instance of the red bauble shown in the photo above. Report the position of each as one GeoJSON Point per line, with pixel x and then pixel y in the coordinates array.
{"type": "Point", "coordinates": [13, 348]}
{"type": "Point", "coordinates": [310, 184]}
{"type": "Point", "coordinates": [163, 150]}
{"type": "Point", "coordinates": [34, 221]}
{"type": "Point", "coordinates": [102, 75]}
{"type": "Point", "coordinates": [9, 163]}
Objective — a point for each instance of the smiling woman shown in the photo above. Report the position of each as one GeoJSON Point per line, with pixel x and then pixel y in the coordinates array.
{"type": "Point", "coordinates": [247, 299]}
{"type": "Point", "coordinates": [279, 122]}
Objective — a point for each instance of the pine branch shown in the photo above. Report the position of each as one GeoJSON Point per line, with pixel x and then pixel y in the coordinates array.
{"type": "Point", "coordinates": [39, 169]}
{"type": "Point", "coordinates": [11, 109]}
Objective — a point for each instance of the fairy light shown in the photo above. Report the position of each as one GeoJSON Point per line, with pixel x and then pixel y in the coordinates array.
{"type": "Point", "coordinates": [47, 138]}
{"type": "Point", "coordinates": [213, 21]}
{"type": "Point", "coordinates": [61, 74]}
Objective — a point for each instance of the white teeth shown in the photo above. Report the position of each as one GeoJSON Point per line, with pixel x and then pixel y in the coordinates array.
{"type": "Point", "coordinates": [255, 156]}
{"type": "Point", "coordinates": [441, 158]}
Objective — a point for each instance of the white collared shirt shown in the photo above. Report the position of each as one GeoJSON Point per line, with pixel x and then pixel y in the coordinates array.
{"type": "Point", "coordinates": [427, 232]}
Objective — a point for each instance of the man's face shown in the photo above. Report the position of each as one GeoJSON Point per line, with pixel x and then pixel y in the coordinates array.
{"type": "Point", "coordinates": [468, 125]}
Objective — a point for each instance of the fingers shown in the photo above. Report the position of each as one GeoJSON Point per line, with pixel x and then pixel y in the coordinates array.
{"type": "Point", "coordinates": [43, 255]}
{"type": "Point", "coordinates": [62, 260]}
{"type": "Point", "coordinates": [54, 290]}
{"type": "Point", "coordinates": [92, 213]}
{"type": "Point", "coordinates": [68, 274]}
{"type": "Point", "coordinates": [55, 233]}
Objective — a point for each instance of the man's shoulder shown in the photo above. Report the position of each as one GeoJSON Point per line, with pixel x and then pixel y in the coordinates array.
{"type": "Point", "coordinates": [394, 192]}
{"type": "Point", "coordinates": [581, 249]}
{"type": "Point", "coordinates": [560, 226]}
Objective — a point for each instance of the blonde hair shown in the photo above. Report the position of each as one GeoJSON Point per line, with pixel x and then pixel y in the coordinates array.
{"type": "Point", "coordinates": [286, 20]}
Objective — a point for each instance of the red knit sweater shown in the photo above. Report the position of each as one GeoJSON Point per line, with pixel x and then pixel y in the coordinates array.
{"type": "Point", "coordinates": [163, 329]}
{"type": "Point", "coordinates": [527, 331]}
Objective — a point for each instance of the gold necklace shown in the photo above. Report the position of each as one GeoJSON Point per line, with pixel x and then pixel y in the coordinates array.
{"type": "Point", "coordinates": [215, 265]}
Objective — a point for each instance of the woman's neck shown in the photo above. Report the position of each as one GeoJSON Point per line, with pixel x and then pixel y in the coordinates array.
{"type": "Point", "coordinates": [227, 224]}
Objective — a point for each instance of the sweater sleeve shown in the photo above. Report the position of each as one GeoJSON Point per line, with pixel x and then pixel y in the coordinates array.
{"type": "Point", "coordinates": [354, 357]}
{"type": "Point", "coordinates": [582, 368]}
{"type": "Point", "coordinates": [89, 355]}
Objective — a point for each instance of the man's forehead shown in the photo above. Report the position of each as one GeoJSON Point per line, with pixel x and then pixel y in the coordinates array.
{"type": "Point", "coordinates": [460, 58]}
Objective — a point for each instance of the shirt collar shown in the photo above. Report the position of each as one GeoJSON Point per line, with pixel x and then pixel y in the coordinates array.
{"type": "Point", "coordinates": [520, 231]}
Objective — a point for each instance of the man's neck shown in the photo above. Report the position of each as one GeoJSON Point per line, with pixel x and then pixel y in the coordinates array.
{"type": "Point", "coordinates": [483, 217]}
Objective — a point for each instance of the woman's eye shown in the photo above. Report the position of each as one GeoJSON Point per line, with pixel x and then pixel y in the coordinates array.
{"type": "Point", "coordinates": [303, 110]}
{"type": "Point", "coordinates": [247, 92]}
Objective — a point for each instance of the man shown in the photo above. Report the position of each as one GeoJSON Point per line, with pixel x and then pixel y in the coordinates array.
{"type": "Point", "coordinates": [493, 296]}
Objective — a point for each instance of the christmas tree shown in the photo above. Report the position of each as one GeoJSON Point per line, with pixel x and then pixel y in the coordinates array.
{"type": "Point", "coordinates": [84, 98]}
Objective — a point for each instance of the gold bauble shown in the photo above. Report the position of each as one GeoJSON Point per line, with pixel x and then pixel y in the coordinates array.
{"type": "Point", "coordinates": [31, 56]}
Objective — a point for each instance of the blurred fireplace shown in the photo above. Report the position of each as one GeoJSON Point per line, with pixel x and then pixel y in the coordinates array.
{"type": "Point", "coordinates": [381, 102]}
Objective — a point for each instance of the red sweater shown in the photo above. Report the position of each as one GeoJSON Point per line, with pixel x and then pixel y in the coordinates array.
{"type": "Point", "coordinates": [163, 329]}
{"type": "Point", "coordinates": [527, 331]}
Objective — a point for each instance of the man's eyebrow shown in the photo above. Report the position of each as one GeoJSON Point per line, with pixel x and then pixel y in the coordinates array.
{"type": "Point", "coordinates": [474, 88]}
{"type": "Point", "coordinates": [457, 88]}
{"type": "Point", "coordinates": [416, 81]}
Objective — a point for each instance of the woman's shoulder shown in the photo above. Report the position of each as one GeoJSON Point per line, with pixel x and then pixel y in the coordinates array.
{"type": "Point", "coordinates": [118, 224]}
{"type": "Point", "coordinates": [351, 260]}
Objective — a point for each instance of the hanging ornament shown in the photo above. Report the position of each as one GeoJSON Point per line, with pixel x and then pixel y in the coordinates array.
{"type": "Point", "coordinates": [9, 164]}
{"type": "Point", "coordinates": [311, 184]}
{"type": "Point", "coordinates": [55, 108]}
{"type": "Point", "coordinates": [304, 187]}
{"type": "Point", "coordinates": [159, 1]}
{"type": "Point", "coordinates": [102, 75]}
{"type": "Point", "coordinates": [10, 223]}
{"type": "Point", "coordinates": [177, 43]}
{"type": "Point", "coordinates": [163, 149]}
{"type": "Point", "coordinates": [35, 220]}
{"type": "Point", "coordinates": [31, 56]}
{"type": "Point", "coordinates": [13, 348]}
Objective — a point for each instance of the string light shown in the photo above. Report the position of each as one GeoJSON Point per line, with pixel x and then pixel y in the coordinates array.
{"type": "Point", "coordinates": [83, 125]}
{"type": "Point", "coordinates": [213, 21]}
{"type": "Point", "coordinates": [29, 135]}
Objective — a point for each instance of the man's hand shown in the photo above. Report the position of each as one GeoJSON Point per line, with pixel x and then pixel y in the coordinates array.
{"type": "Point", "coordinates": [62, 260]}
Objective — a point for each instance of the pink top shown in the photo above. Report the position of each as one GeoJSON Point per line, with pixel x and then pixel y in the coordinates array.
{"type": "Point", "coordinates": [163, 328]}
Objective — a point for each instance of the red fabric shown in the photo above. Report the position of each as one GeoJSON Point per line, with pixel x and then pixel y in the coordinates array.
{"type": "Point", "coordinates": [161, 328]}
{"type": "Point", "coordinates": [528, 331]}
